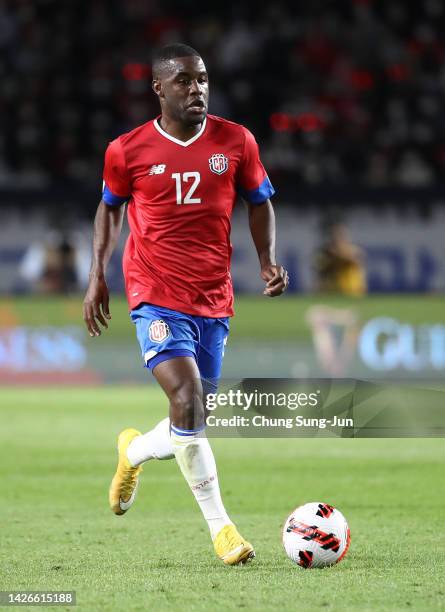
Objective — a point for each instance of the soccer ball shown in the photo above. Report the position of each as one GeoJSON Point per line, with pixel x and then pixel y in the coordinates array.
{"type": "Point", "coordinates": [316, 535]}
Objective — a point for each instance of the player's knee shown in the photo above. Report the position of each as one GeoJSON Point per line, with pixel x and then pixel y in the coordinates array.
{"type": "Point", "coordinates": [186, 407]}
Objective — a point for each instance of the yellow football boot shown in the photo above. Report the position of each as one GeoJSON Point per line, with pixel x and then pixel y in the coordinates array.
{"type": "Point", "coordinates": [125, 481]}
{"type": "Point", "coordinates": [231, 547]}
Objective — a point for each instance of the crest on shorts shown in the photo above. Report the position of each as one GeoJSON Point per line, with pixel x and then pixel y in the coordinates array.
{"type": "Point", "coordinates": [218, 163]}
{"type": "Point", "coordinates": [158, 330]}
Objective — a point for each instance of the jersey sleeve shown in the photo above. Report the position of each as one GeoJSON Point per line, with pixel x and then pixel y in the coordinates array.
{"type": "Point", "coordinates": [116, 185]}
{"type": "Point", "coordinates": [253, 184]}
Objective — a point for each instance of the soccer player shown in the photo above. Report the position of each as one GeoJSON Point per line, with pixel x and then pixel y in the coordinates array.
{"type": "Point", "coordinates": [180, 175]}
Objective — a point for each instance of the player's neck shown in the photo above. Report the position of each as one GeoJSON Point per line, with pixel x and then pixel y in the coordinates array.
{"type": "Point", "coordinates": [177, 129]}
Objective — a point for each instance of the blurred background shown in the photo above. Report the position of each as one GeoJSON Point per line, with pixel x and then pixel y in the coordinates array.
{"type": "Point", "coordinates": [346, 101]}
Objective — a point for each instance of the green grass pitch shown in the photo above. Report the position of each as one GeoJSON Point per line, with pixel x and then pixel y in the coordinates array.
{"type": "Point", "coordinates": [57, 456]}
{"type": "Point", "coordinates": [257, 317]}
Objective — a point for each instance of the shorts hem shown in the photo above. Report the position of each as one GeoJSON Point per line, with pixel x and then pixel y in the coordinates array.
{"type": "Point", "coordinates": [168, 354]}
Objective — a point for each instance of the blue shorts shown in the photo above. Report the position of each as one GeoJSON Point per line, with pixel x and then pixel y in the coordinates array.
{"type": "Point", "coordinates": [164, 334]}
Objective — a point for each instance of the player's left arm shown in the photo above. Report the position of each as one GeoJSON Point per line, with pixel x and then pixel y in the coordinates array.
{"type": "Point", "coordinates": [254, 187]}
{"type": "Point", "coordinates": [262, 228]}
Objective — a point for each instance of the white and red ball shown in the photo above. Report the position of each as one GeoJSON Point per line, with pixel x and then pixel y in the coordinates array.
{"type": "Point", "coordinates": [316, 535]}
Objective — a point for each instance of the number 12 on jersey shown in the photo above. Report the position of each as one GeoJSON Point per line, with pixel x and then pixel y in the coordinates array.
{"type": "Point", "coordinates": [185, 177]}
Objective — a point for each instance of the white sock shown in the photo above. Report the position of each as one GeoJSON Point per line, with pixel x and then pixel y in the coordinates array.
{"type": "Point", "coordinates": [197, 463]}
{"type": "Point", "coordinates": [155, 444]}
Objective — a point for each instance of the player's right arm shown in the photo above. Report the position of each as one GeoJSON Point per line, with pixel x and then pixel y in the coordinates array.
{"type": "Point", "coordinates": [107, 229]}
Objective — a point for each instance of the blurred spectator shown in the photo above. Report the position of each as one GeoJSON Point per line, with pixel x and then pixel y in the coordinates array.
{"type": "Point", "coordinates": [58, 264]}
{"type": "Point", "coordinates": [339, 263]}
{"type": "Point", "coordinates": [351, 91]}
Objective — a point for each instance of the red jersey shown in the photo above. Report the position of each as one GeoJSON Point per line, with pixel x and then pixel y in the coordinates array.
{"type": "Point", "coordinates": [180, 199]}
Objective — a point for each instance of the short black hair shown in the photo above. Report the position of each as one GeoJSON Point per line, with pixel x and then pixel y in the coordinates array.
{"type": "Point", "coordinates": [169, 52]}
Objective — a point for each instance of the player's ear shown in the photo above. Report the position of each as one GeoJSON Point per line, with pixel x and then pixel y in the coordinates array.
{"type": "Point", "coordinates": [157, 86]}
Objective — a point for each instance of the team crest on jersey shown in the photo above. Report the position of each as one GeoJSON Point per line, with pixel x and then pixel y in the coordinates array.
{"type": "Point", "coordinates": [218, 163]}
{"type": "Point", "coordinates": [158, 331]}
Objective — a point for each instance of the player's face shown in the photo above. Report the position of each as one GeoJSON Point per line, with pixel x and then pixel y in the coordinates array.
{"type": "Point", "coordinates": [183, 90]}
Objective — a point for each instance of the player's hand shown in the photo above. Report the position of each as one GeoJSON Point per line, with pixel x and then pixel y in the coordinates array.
{"type": "Point", "coordinates": [277, 280]}
{"type": "Point", "coordinates": [95, 305]}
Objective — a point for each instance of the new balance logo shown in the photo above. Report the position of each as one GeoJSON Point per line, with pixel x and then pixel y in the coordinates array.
{"type": "Point", "coordinates": [157, 169]}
